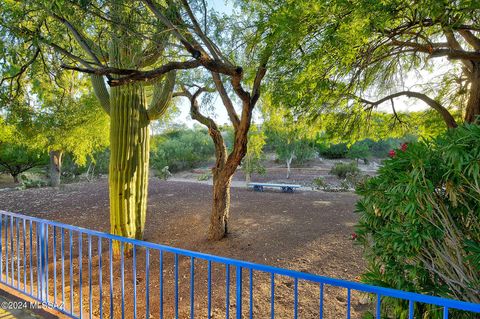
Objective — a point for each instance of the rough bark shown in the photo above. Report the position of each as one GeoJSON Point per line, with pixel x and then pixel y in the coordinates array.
{"type": "Point", "coordinates": [128, 170]}
{"type": "Point", "coordinates": [55, 168]}
{"type": "Point", "coordinates": [15, 178]}
{"type": "Point", "coordinates": [473, 105]}
{"type": "Point", "coordinates": [221, 206]}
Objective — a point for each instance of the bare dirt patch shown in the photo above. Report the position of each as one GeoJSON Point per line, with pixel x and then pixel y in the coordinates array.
{"type": "Point", "coordinates": [305, 231]}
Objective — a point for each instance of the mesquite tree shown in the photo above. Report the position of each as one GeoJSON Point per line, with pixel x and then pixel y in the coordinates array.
{"type": "Point", "coordinates": [334, 56]}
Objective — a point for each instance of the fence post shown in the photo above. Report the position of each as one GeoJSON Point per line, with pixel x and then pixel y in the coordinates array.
{"type": "Point", "coordinates": [239, 291]}
{"type": "Point", "coordinates": [42, 265]}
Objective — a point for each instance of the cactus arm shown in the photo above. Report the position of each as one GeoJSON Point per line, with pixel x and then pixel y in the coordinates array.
{"type": "Point", "coordinates": [162, 94]}
{"type": "Point", "coordinates": [101, 92]}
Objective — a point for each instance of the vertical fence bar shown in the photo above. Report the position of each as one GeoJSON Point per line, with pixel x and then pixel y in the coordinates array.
{"type": "Point", "coordinates": [147, 283]}
{"type": "Point", "coordinates": [18, 252]}
{"type": "Point", "coordinates": [6, 249]}
{"type": "Point", "coordinates": [62, 248]}
{"type": "Point", "coordinates": [42, 246]}
{"type": "Point", "coordinates": [122, 276]}
{"type": "Point", "coordinates": [89, 276]}
{"type": "Point", "coordinates": [24, 254]}
{"type": "Point", "coordinates": [134, 270]}
{"type": "Point", "coordinates": [110, 254]}
{"type": "Point", "coordinates": [251, 292]}
{"type": "Point", "coordinates": [80, 274]}
{"type": "Point", "coordinates": [349, 296]}
{"type": "Point", "coordinates": [45, 264]}
{"type": "Point", "coordinates": [192, 287]}
{"type": "Point", "coordinates": [12, 270]}
{"type": "Point", "coordinates": [321, 301]}
{"type": "Point", "coordinates": [1, 249]}
{"type": "Point", "coordinates": [445, 312]}
{"type": "Point", "coordinates": [272, 295]}
{"type": "Point", "coordinates": [209, 289]}
{"type": "Point", "coordinates": [37, 237]}
{"type": "Point", "coordinates": [379, 307]}
{"type": "Point", "coordinates": [239, 291]}
{"type": "Point", "coordinates": [411, 309]}
{"type": "Point", "coordinates": [227, 275]}
{"type": "Point", "coordinates": [295, 298]}
{"type": "Point", "coordinates": [100, 284]}
{"type": "Point", "coordinates": [161, 284]}
{"type": "Point", "coordinates": [71, 270]}
{"type": "Point", "coordinates": [175, 269]}
{"type": "Point", "coordinates": [54, 265]}
{"type": "Point", "coordinates": [31, 256]}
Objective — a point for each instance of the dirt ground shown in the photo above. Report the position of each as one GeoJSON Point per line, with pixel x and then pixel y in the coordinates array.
{"type": "Point", "coordinates": [308, 231]}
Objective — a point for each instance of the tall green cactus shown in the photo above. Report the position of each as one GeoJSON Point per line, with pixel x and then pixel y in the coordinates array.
{"type": "Point", "coordinates": [129, 150]}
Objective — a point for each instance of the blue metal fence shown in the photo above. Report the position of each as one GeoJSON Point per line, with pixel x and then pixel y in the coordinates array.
{"type": "Point", "coordinates": [45, 260]}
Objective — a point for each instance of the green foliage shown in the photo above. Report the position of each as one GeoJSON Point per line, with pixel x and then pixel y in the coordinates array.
{"type": "Point", "coordinates": [16, 158]}
{"type": "Point", "coordinates": [333, 151]}
{"type": "Point", "coordinates": [204, 177]}
{"type": "Point", "coordinates": [181, 149]}
{"type": "Point", "coordinates": [164, 173]}
{"type": "Point", "coordinates": [253, 160]}
{"type": "Point", "coordinates": [319, 182]}
{"type": "Point", "coordinates": [419, 220]}
{"type": "Point", "coordinates": [27, 182]}
{"type": "Point", "coordinates": [341, 170]}
{"type": "Point", "coordinates": [359, 151]}
{"type": "Point", "coordinates": [96, 165]}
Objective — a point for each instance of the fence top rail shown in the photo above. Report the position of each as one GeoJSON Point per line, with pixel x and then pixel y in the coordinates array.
{"type": "Point", "coordinates": [387, 292]}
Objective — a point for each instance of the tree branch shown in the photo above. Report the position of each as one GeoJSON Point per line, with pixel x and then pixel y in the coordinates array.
{"type": "Point", "coordinates": [470, 38]}
{"type": "Point", "coordinates": [227, 102]}
{"type": "Point", "coordinates": [447, 117]}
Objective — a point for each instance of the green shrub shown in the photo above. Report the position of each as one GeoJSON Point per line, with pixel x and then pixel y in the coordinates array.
{"type": "Point", "coordinates": [181, 149]}
{"type": "Point", "coordinates": [334, 151]}
{"type": "Point", "coordinates": [319, 182]}
{"type": "Point", "coordinates": [419, 221]}
{"type": "Point", "coordinates": [204, 177]}
{"type": "Point", "coordinates": [342, 169]}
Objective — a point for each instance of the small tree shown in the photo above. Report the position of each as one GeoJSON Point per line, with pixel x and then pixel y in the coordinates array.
{"type": "Point", "coordinates": [290, 136]}
{"type": "Point", "coordinates": [18, 158]}
{"type": "Point", "coordinates": [358, 151]}
{"type": "Point", "coordinates": [252, 162]}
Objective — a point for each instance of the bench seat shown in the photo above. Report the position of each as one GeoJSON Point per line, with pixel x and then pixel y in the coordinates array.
{"type": "Point", "coordinates": [286, 188]}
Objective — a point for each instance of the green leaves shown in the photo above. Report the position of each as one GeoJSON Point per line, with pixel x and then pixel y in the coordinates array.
{"type": "Point", "coordinates": [424, 207]}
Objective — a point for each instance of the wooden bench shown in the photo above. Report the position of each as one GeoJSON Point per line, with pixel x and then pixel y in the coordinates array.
{"type": "Point", "coordinates": [286, 188]}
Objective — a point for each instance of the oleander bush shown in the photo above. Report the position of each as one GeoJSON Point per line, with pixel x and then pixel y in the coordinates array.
{"type": "Point", "coordinates": [420, 221]}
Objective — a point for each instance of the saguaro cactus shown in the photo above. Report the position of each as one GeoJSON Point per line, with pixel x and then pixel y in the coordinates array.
{"type": "Point", "coordinates": [129, 144]}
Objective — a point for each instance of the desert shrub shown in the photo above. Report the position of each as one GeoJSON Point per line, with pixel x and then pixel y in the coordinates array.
{"type": "Point", "coordinates": [96, 165]}
{"type": "Point", "coordinates": [359, 150]}
{"type": "Point", "coordinates": [164, 173]}
{"type": "Point", "coordinates": [420, 221]}
{"type": "Point", "coordinates": [319, 182]}
{"type": "Point", "coordinates": [342, 169]}
{"type": "Point", "coordinates": [181, 149]}
{"type": "Point", "coordinates": [204, 177]}
{"type": "Point", "coordinates": [333, 151]}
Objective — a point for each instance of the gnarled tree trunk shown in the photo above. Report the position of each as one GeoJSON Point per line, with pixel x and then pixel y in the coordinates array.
{"type": "Point", "coordinates": [473, 104]}
{"type": "Point", "coordinates": [55, 167]}
{"type": "Point", "coordinates": [221, 205]}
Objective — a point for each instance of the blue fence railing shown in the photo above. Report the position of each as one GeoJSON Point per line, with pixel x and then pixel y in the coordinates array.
{"type": "Point", "coordinates": [75, 271]}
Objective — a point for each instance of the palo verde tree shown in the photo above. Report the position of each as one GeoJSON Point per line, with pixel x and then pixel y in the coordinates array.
{"type": "Point", "coordinates": [333, 56]}
{"type": "Point", "coordinates": [133, 47]}
{"type": "Point", "coordinates": [17, 153]}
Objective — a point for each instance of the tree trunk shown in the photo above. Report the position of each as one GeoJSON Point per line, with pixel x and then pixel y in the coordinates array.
{"type": "Point", "coordinates": [248, 178]}
{"type": "Point", "coordinates": [473, 104]}
{"type": "Point", "coordinates": [221, 206]}
{"type": "Point", "coordinates": [55, 168]}
{"type": "Point", "coordinates": [129, 157]}
{"type": "Point", "coordinates": [289, 162]}
{"type": "Point", "coordinates": [15, 178]}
